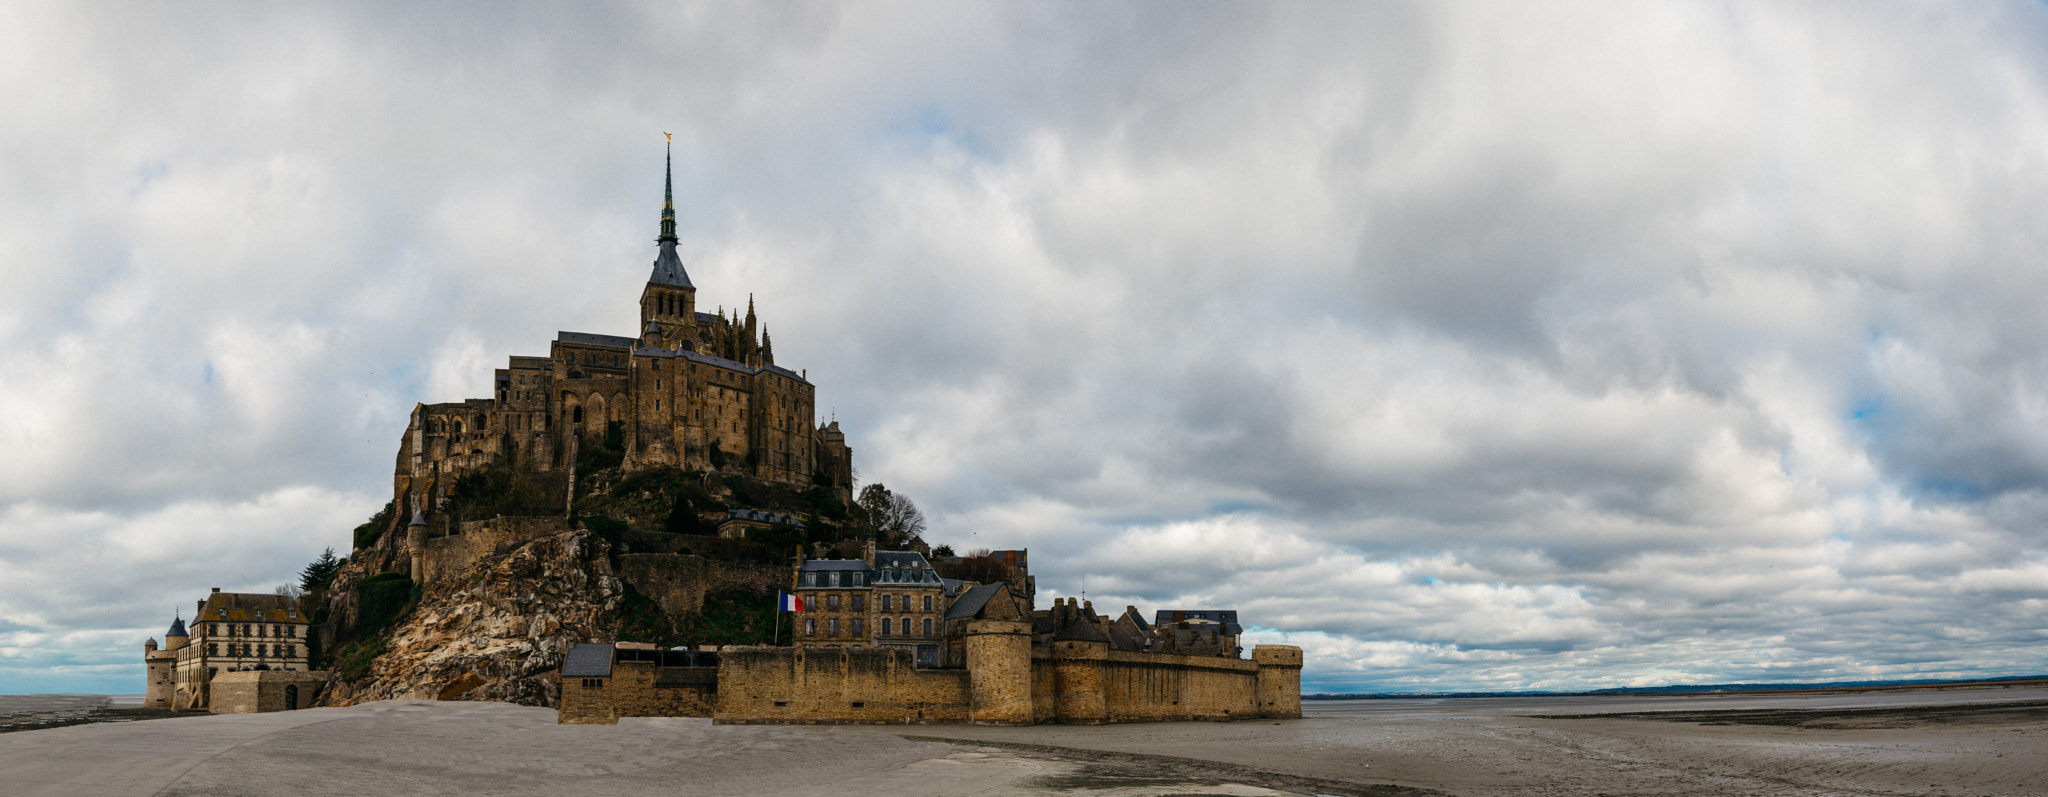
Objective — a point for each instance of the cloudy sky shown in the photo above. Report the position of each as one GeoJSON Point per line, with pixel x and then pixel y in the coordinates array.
{"type": "Point", "coordinates": [1468, 346]}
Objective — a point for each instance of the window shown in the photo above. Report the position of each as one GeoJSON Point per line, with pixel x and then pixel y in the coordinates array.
{"type": "Point", "coordinates": [855, 627]}
{"type": "Point", "coordinates": [858, 577]}
{"type": "Point", "coordinates": [927, 626]}
{"type": "Point", "coordinates": [212, 649]}
{"type": "Point", "coordinates": [927, 607]}
{"type": "Point", "coordinates": [832, 602]}
{"type": "Point", "coordinates": [885, 626]}
{"type": "Point", "coordinates": [833, 625]}
{"type": "Point", "coordinates": [905, 626]}
{"type": "Point", "coordinates": [859, 604]}
{"type": "Point", "coordinates": [887, 607]}
{"type": "Point", "coordinates": [810, 626]}
{"type": "Point", "coordinates": [832, 579]}
{"type": "Point", "coordinates": [810, 579]}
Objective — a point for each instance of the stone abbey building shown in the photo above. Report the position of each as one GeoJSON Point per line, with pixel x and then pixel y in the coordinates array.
{"type": "Point", "coordinates": [692, 390]}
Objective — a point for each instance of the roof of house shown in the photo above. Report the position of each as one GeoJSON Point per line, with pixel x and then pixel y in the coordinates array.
{"type": "Point", "coordinates": [1080, 629]}
{"type": "Point", "coordinates": [588, 660]}
{"type": "Point", "coordinates": [253, 607]}
{"type": "Point", "coordinates": [910, 560]}
{"type": "Point", "coordinates": [177, 629]}
{"type": "Point", "coordinates": [1122, 638]}
{"type": "Point", "coordinates": [834, 564]}
{"type": "Point", "coordinates": [973, 601]}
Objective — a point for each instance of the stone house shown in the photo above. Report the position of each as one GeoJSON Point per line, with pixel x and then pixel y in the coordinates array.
{"type": "Point", "coordinates": [232, 632]}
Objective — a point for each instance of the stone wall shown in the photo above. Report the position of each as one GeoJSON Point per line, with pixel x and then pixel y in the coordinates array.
{"type": "Point", "coordinates": [777, 685]}
{"type": "Point", "coordinates": [1147, 687]}
{"type": "Point", "coordinates": [639, 689]}
{"type": "Point", "coordinates": [251, 692]}
{"type": "Point", "coordinates": [679, 582]}
{"type": "Point", "coordinates": [444, 558]}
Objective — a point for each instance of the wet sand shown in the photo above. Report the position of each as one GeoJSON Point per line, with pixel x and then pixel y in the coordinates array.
{"type": "Point", "coordinates": [1959, 741]}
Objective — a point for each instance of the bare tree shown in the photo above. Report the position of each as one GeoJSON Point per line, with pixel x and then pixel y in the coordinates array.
{"type": "Point", "coordinates": [895, 520]}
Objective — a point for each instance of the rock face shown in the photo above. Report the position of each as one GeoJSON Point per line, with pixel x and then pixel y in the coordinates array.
{"type": "Point", "coordinates": [500, 630]}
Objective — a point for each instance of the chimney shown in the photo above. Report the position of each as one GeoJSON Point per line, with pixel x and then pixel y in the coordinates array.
{"type": "Point", "coordinates": [216, 590]}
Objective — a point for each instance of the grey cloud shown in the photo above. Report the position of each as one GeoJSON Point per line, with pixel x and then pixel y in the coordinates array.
{"type": "Point", "coordinates": [1468, 345]}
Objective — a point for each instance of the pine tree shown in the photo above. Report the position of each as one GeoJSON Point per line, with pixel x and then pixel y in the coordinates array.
{"type": "Point", "coordinates": [320, 571]}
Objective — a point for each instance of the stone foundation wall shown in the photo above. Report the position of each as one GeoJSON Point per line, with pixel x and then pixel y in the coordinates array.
{"type": "Point", "coordinates": [835, 685]}
{"type": "Point", "coordinates": [679, 582]}
{"type": "Point", "coordinates": [1151, 687]}
{"type": "Point", "coordinates": [1007, 681]}
{"type": "Point", "coordinates": [444, 558]}
{"type": "Point", "coordinates": [639, 689]}
{"type": "Point", "coordinates": [253, 692]}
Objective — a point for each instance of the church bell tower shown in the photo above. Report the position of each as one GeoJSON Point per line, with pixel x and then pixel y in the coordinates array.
{"type": "Point", "coordinates": [669, 303]}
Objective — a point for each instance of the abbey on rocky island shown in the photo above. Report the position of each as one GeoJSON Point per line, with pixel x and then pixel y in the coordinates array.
{"type": "Point", "coordinates": [693, 390]}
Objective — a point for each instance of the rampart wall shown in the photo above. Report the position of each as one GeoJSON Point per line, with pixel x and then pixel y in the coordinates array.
{"type": "Point", "coordinates": [1006, 682]}
{"type": "Point", "coordinates": [679, 582]}
{"type": "Point", "coordinates": [777, 685]}
{"type": "Point", "coordinates": [442, 559]}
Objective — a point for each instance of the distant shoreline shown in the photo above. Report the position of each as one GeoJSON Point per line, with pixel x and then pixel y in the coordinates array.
{"type": "Point", "coordinates": [1707, 689]}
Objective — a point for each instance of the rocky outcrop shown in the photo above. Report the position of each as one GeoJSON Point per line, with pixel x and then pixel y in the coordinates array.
{"type": "Point", "coordinates": [500, 630]}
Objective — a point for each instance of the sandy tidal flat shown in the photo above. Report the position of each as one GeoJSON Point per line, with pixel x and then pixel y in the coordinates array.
{"type": "Point", "coordinates": [1946, 742]}
{"type": "Point", "coordinates": [1935, 742]}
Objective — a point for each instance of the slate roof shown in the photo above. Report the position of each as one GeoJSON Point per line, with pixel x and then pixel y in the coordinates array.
{"type": "Point", "coordinates": [911, 560]}
{"type": "Point", "coordinates": [834, 564]}
{"type": "Point", "coordinates": [1121, 638]}
{"type": "Point", "coordinates": [717, 361]}
{"type": "Point", "coordinates": [177, 629]}
{"type": "Point", "coordinates": [594, 339]}
{"type": "Point", "coordinates": [971, 603]}
{"type": "Point", "coordinates": [253, 607]}
{"type": "Point", "coordinates": [668, 268]}
{"type": "Point", "coordinates": [588, 660]}
{"type": "Point", "coordinates": [1079, 630]}
{"type": "Point", "coordinates": [781, 371]}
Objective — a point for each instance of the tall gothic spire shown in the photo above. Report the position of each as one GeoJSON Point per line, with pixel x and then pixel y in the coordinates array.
{"type": "Point", "coordinates": [668, 268]}
{"type": "Point", "coordinates": [668, 196]}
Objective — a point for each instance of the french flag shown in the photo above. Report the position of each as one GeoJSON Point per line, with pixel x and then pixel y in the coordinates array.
{"type": "Point", "coordinates": [791, 603]}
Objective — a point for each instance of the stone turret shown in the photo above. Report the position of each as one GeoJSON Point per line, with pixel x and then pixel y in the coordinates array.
{"type": "Point", "coordinates": [416, 545]}
{"type": "Point", "coordinates": [1279, 683]}
{"type": "Point", "coordinates": [1078, 653]}
{"type": "Point", "coordinates": [161, 666]}
{"type": "Point", "coordinates": [999, 672]}
{"type": "Point", "coordinates": [175, 639]}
